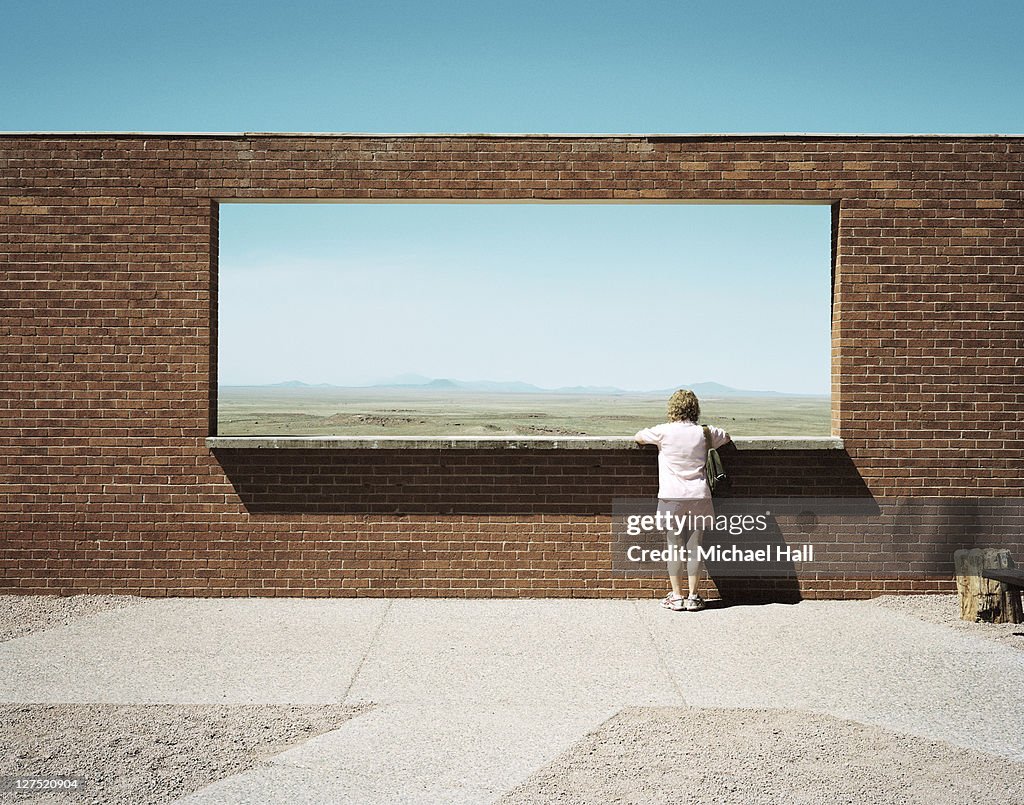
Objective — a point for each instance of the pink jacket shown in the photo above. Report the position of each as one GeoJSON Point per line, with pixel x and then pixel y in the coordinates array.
{"type": "Point", "coordinates": [681, 457]}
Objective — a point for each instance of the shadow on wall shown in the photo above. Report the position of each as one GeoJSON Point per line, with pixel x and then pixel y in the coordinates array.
{"type": "Point", "coordinates": [503, 482]}
{"type": "Point", "coordinates": [738, 587]}
{"type": "Point", "coordinates": [770, 575]}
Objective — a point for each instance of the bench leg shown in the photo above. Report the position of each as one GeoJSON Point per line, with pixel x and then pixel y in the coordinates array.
{"type": "Point", "coordinates": [982, 599]}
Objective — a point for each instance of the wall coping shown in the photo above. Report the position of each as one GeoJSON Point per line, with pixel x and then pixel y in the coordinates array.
{"type": "Point", "coordinates": [782, 135]}
{"type": "Point", "coordinates": [495, 443]}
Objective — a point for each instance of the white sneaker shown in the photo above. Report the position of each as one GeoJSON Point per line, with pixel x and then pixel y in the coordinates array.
{"type": "Point", "coordinates": [693, 603]}
{"type": "Point", "coordinates": [673, 602]}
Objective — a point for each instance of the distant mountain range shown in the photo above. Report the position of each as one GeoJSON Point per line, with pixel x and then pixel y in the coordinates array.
{"type": "Point", "coordinates": [409, 382]}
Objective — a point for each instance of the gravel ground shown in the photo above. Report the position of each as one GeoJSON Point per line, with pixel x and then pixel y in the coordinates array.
{"type": "Point", "coordinates": [24, 614]}
{"type": "Point", "coordinates": [148, 753]}
{"type": "Point", "coordinates": [945, 611]}
{"type": "Point", "coordinates": [764, 757]}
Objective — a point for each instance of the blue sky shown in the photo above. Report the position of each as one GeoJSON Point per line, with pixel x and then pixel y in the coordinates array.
{"type": "Point", "coordinates": [593, 67]}
{"type": "Point", "coordinates": [568, 66]}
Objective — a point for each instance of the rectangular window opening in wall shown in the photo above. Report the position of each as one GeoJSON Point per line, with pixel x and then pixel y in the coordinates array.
{"type": "Point", "coordinates": [512, 321]}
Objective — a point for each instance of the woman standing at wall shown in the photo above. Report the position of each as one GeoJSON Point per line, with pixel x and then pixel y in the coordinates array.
{"type": "Point", "coordinates": [683, 490]}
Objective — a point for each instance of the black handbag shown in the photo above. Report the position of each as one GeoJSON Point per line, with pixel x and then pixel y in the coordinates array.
{"type": "Point", "coordinates": [714, 470]}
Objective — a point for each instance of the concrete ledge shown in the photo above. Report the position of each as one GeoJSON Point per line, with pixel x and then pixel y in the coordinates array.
{"type": "Point", "coordinates": [513, 135]}
{"type": "Point", "coordinates": [495, 443]}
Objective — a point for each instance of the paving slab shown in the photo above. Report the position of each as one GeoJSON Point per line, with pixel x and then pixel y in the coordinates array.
{"type": "Point", "coordinates": [196, 651]}
{"type": "Point", "coordinates": [851, 660]}
{"type": "Point", "coordinates": [414, 754]}
{"type": "Point", "coordinates": [544, 651]}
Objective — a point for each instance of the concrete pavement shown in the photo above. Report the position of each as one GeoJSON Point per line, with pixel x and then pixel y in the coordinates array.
{"type": "Point", "coordinates": [471, 697]}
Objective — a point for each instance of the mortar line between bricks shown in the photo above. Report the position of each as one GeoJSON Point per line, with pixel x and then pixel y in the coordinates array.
{"type": "Point", "coordinates": [369, 647]}
{"type": "Point", "coordinates": [661, 656]}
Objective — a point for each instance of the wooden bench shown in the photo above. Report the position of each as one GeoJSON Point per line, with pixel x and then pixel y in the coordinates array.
{"type": "Point", "coordinates": [1008, 576]}
{"type": "Point", "coordinates": [1014, 580]}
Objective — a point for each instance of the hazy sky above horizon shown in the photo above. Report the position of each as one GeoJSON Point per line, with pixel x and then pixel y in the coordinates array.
{"type": "Point", "coordinates": [641, 296]}
{"type": "Point", "coordinates": [918, 66]}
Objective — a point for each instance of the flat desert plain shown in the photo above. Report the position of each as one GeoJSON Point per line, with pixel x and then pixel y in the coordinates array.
{"type": "Point", "coordinates": [277, 411]}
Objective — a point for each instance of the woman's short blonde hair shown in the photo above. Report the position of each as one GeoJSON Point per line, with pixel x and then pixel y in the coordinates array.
{"type": "Point", "coordinates": [683, 406]}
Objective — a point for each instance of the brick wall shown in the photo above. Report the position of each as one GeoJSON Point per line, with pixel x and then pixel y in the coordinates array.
{"type": "Point", "coordinates": [108, 252]}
